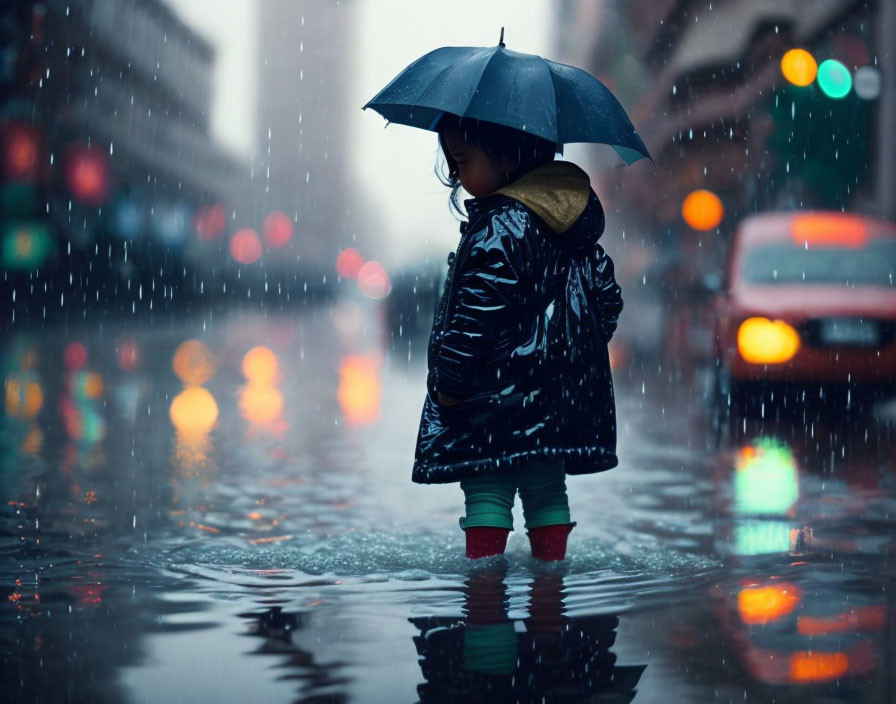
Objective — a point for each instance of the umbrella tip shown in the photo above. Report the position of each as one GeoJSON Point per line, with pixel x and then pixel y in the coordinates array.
{"type": "Point", "coordinates": [501, 40]}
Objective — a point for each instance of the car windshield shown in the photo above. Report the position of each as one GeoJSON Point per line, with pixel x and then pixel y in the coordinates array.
{"type": "Point", "coordinates": [783, 263]}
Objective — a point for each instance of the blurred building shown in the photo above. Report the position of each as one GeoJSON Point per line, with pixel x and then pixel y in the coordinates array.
{"type": "Point", "coordinates": [106, 140]}
{"type": "Point", "coordinates": [302, 168]}
{"type": "Point", "coordinates": [703, 84]}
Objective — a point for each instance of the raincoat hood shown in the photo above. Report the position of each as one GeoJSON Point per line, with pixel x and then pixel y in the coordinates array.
{"type": "Point", "coordinates": [557, 192]}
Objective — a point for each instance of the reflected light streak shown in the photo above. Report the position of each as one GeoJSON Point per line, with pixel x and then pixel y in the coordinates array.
{"type": "Point", "coordinates": [865, 618]}
{"type": "Point", "coordinates": [261, 405]}
{"type": "Point", "coordinates": [757, 605]}
{"type": "Point", "coordinates": [360, 389]}
{"type": "Point", "coordinates": [810, 666]}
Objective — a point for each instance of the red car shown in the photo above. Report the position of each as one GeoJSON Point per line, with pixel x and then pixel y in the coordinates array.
{"type": "Point", "coordinates": [810, 297]}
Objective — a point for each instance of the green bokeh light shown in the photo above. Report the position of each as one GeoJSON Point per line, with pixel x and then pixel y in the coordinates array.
{"type": "Point", "coordinates": [25, 245]}
{"type": "Point", "coordinates": [834, 79]}
{"type": "Point", "coordinates": [765, 480]}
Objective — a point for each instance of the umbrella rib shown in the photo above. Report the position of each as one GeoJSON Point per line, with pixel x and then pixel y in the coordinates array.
{"type": "Point", "coordinates": [484, 69]}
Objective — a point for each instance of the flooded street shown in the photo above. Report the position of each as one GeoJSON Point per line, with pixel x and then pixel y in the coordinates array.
{"type": "Point", "coordinates": [233, 519]}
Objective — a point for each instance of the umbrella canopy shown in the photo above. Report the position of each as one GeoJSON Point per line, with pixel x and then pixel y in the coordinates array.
{"type": "Point", "coordinates": [554, 101]}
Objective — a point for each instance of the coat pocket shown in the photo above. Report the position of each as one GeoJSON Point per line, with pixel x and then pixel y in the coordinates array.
{"type": "Point", "coordinates": [474, 410]}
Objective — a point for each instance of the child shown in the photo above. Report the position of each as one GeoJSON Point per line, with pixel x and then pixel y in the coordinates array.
{"type": "Point", "coordinates": [519, 386]}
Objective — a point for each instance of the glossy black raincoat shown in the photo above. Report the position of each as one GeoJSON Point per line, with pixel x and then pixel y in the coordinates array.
{"type": "Point", "coordinates": [520, 335]}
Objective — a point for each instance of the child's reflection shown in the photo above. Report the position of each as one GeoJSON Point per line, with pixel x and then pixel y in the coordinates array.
{"type": "Point", "coordinates": [489, 657]}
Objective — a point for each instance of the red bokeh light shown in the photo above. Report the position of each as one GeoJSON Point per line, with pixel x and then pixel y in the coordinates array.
{"type": "Point", "coordinates": [74, 356]}
{"type": "Point", "coordinates": [277, 229]}
{"type": "Point", "coordinates": [373, 280]}
{"type": "Point", "coordinates": [245, 246]}
{"type": "Point", "coordinates": [349, 263]}
{"type": "Point", "coordinates": [210, 221]}
{"type": "Point", "coordinates": [21, 151]}
{"type": "Point", "coordinates": [87, 174]}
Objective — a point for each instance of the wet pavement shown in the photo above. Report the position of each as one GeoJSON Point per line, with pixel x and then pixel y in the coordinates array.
{"type": "Point", "coordinates": [232, 519]}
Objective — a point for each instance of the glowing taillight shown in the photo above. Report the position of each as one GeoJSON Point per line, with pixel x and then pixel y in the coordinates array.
{"type": "Point", "coordinates": [764, 341]}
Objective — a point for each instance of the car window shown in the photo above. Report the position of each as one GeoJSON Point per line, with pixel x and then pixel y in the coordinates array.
{"type": "Point", "coordinates": [784, 263]}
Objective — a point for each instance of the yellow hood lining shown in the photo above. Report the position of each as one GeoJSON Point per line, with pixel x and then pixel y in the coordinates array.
{"type": "Point", "coordinates": [557, 192]}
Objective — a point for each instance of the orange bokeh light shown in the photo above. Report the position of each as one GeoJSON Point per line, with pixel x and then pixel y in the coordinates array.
{"type": "Point", "coordinates": [261, 404]}
{"type": "Point", "coordinates": [245, 246]}
{"type": "Point", "coordinates": [193, 363]}
{"type": "Point", "coordinates": [261, 367]}
{"type": "Point", "coordinates": [277, 229]}
{"type": "Point", "coordinates": [93, 385]}
{"type": "Point", "coordinates": [758, 605]}
{"type": "Point", "coordinates": [812, 666]}
{"type": "Point", "coordinates": [24, 398]}
{"type": "Point", "coordinates": [799, 67]}
{"type": "Point", "coordinates": [194, 410]}
{"type": "Point", "coordinates": [348, 263]}
{"type": "Point", "coordinates": [702, 210]}
{"type": "Point", "coordinates": [360, 389]}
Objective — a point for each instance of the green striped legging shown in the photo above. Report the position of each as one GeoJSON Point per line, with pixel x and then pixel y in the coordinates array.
{"type": "Point", "coordinates": [542, 487]}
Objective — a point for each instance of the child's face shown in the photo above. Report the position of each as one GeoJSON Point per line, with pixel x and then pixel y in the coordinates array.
{"type": "Point", "coordinates": [478, 174]}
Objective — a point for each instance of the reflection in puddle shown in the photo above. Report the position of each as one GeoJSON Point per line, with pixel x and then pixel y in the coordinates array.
{"type": "Point", "coordinates": [487, 656]}
{"type": "Point", "coordinates": [360, 388]}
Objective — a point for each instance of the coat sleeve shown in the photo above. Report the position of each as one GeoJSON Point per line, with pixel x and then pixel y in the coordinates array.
{"type": "Point", "coordinates": [488, 285]}
{"type": "Point", "coordinates": [609, 294]}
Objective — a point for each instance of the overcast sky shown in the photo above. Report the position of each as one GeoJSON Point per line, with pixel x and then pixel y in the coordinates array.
{"type": "Point", "coordinates": [394, 166]}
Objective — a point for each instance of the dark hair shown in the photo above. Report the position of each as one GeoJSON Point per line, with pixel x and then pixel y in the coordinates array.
{"type": "Point", "coordinates": [528, 150]}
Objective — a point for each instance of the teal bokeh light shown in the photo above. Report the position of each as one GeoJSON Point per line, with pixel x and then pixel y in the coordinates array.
{"type": "Point", "coordinates": [834, 79]}
{"type": "Point", "coordinates": [766, 480]}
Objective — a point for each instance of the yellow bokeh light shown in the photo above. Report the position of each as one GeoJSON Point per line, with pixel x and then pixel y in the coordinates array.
{"type": "Point", "coordinates": [260, 366]}
{"type": "Point", "coordinates": [194, 410]}
{"type": "Point", "coordinates": [261, 404]}
{"type": "Point", "coordinates": [762, 341]}
{"type": "Point", "coordinates": [360, 390]}
{"type": "Point", "coordinates": [193, 363]}
{"type": "Point", "coordinates": [93, 385]}
{"type": "Point", "coordinates": [702, 210]}
{"type": "Point", "coordinates": [799, 67]}
{"type": "Point", "coordinates": [33, 441]}
{"type": "Point", "coordinates": [758, 605]}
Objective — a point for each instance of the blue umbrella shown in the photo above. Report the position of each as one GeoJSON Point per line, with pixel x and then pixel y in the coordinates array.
{"type": "Point", "coordinates": [554, 101]}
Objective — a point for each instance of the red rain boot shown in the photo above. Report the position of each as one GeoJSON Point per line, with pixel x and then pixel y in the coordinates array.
{"type": "Point", "coordinates": [549, 542]}
{"type": "Point", "coordinates": [483, 541]}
